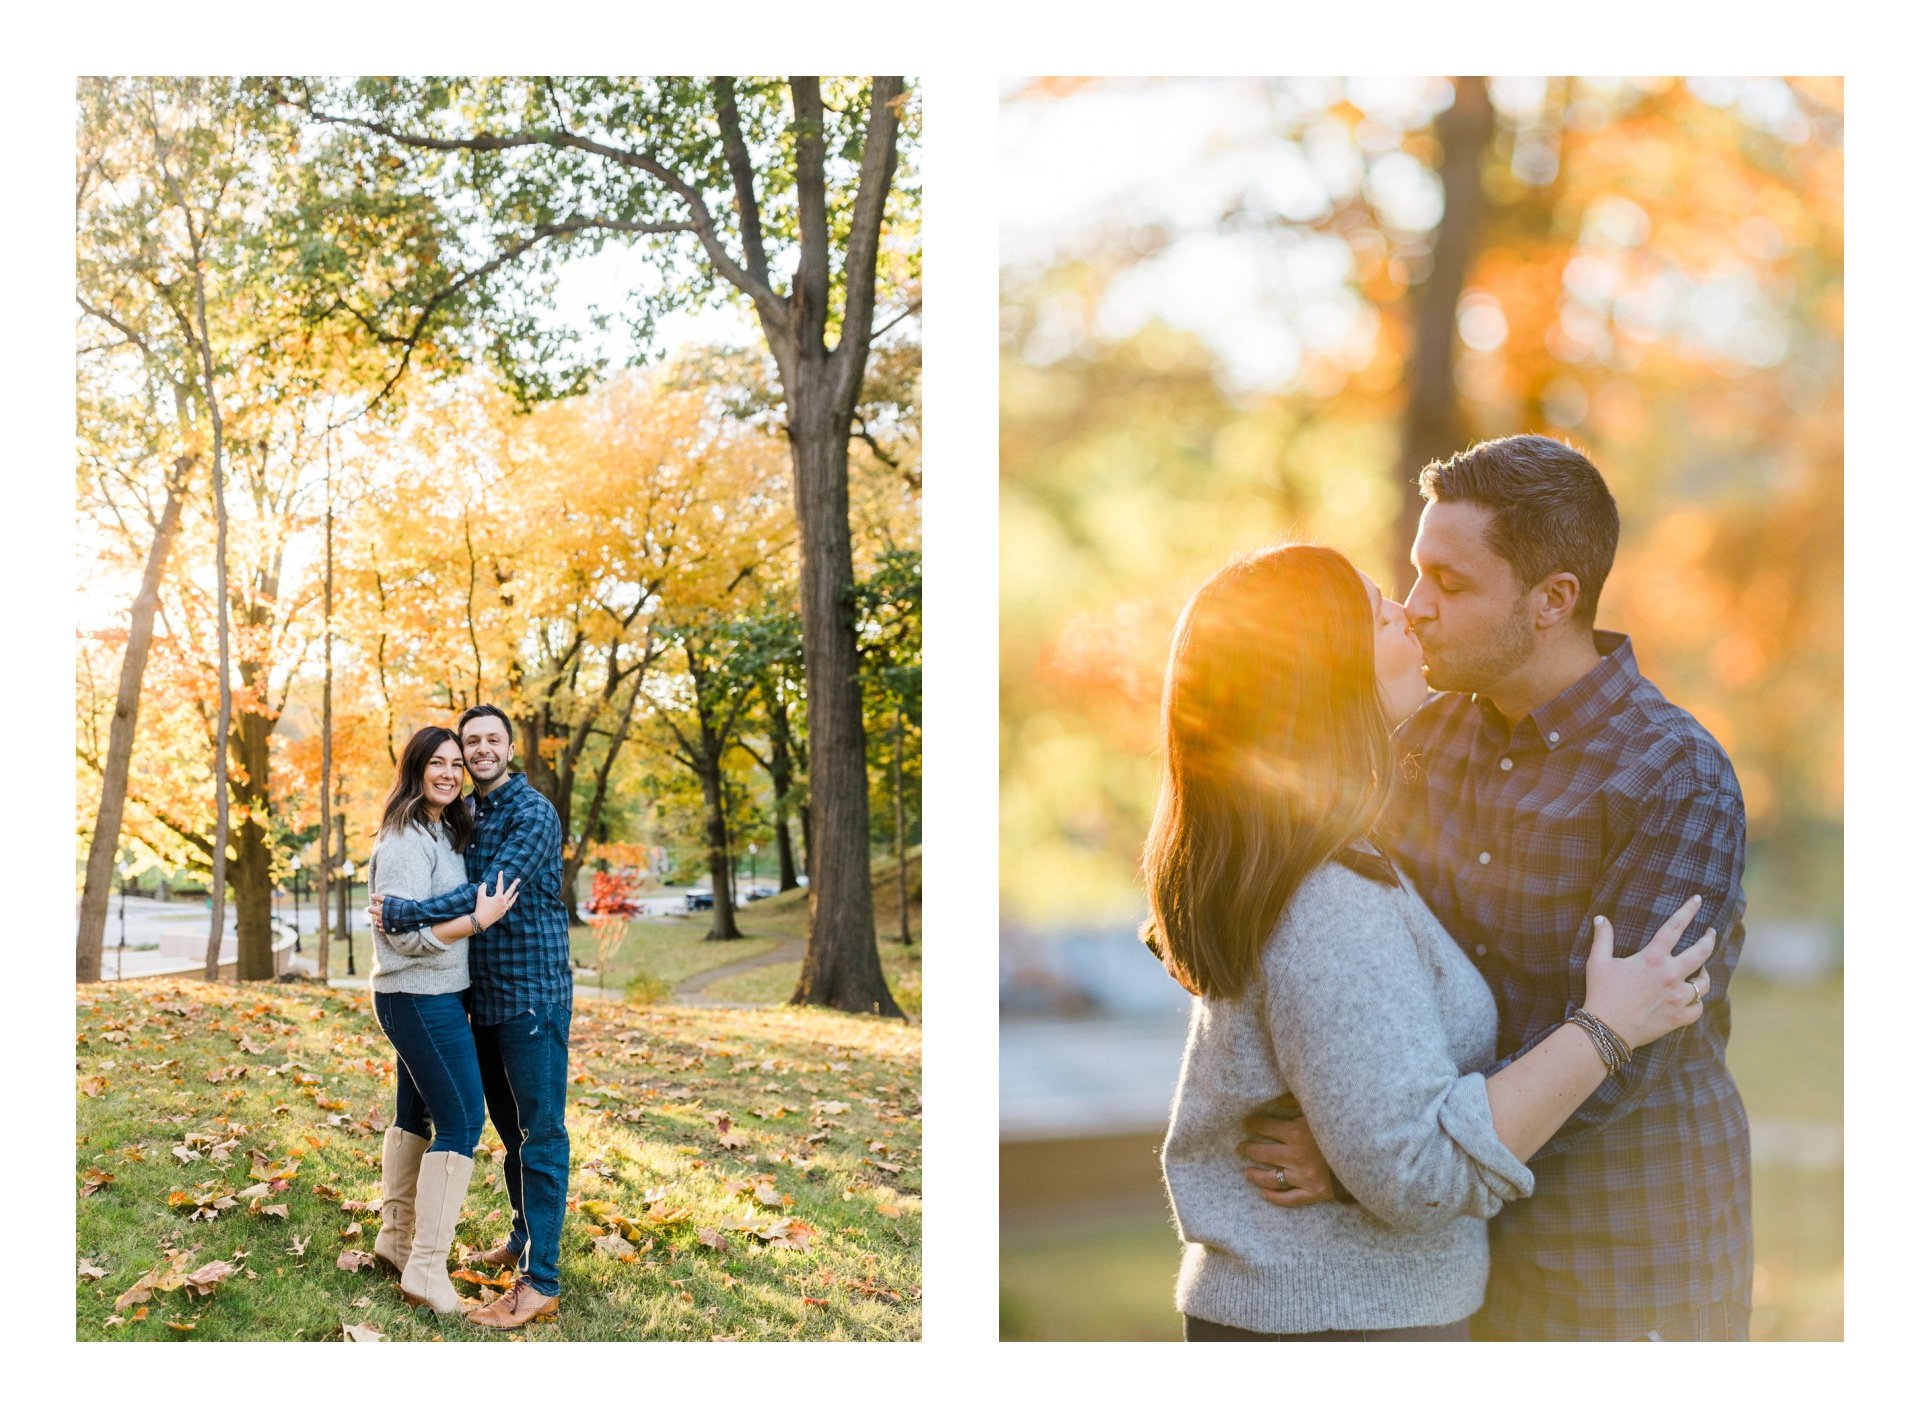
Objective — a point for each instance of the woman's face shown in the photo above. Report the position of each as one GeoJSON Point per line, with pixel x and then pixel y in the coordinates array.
{"type": "Point", "coordinates": [1398, 658]}
{"type": "Point", "coordinates": [444, 774]}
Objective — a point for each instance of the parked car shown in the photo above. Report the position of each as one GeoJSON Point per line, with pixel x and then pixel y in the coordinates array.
{"type": "Point", "coordinates": [761, 893]}
{"type": "Point", "coordinates": [699, 900]}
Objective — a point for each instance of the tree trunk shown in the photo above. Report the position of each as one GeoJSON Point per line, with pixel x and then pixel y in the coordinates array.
{"type": "Point", "coordinates": [105, 845]}
{"type": "Point", "coordinates": [252, 853]}
{"type": "Point", "coordinates": [1432, 426]}
{"type": "Point", "coordinates": [900, 820]}
{"type": "Point", "coordinates": [570, 883]}
{"type": "Point", "coordinates": [780, 769]}
{"type": "Point", "coordinates": [719, 865]}
{"type": "Point", "coordinates": [322, 954]}
{"type": "Point", "coordinates": [842, 964]}
{"type": "Point", "coordinates": [218, 927]}
{"type": "Point", "coordinates": [343, 886]}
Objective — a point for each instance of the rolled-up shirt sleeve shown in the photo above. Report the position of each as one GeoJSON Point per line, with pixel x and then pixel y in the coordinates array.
{"type": "Point", "coordinates": [1359, 1037]}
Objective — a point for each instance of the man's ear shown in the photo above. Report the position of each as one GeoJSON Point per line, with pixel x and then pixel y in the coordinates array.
{"type": "Point", "coordinates": [1556, 597]}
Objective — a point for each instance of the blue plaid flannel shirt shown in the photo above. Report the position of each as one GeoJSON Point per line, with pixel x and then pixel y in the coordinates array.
{"type": "Point", "coordinates": [1611, 801]}
{"type": "Point", "coordinates": [523, 961]}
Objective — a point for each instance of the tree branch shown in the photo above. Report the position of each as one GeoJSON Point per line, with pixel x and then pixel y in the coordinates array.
{"type": "Point", "coordinates": [741, 166]}
{"type": "Point", "coordinates": [747, 282]}
{"type": "Point", "coordinates": [863, 240]}
{"type": "Point", "coordinates": [811, 278]}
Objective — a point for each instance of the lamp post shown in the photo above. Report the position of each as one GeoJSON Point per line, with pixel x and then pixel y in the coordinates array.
{"type": "Point", "coordinates": [296, 908]}
{"type": "Point", "coordinates": [346, 890]}
{"type": "Point", "coordinates": [753, 867]}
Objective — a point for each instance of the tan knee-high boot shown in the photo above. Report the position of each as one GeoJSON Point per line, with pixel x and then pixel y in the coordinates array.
{"type": "Point", "coordinates": [436, 1208]}
{"type": "Point", "coordinates": [399, 1171]}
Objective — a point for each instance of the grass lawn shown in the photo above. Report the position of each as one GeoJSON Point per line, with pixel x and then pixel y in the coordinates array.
{"type": "Point", "coordinates": [666, 950]}
{"type": "Point", "coordinates": [1112, 1277]}
{"type": "Point", "coordinates": [773, 984]}
{"type": "Point", "coordinates": [736, 1175]}
{"type": "Point", "coordinates": [786, 916]}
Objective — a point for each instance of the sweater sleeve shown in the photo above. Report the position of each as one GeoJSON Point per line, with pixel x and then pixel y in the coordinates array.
{"type": "Point", "coordinates": [403, 865]}
{"type": "Point", "coordinates": [1359, 1038]}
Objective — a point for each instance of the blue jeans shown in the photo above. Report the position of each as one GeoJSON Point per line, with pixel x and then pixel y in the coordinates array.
{"type": "Point", "coordinates": [523, 1069]}
{"type": "Point", "coordinates": [437, 1088]}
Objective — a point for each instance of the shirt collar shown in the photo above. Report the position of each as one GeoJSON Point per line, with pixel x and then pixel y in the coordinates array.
{"type": "Point", "coordinates": [505, 793]}
{"type": "Point", "coordinates": [1586, 702]}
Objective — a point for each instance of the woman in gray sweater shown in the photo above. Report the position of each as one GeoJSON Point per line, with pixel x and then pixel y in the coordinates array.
{"type": "Point", "coordinates": [419, 996]}
{"type": "Point", "coordinates": [1317, 972]}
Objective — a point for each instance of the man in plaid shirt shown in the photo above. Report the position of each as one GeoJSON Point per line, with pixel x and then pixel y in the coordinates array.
{"type": "Point", "coordinates": [1553, 785]}
{"type": "Point", "coordinates": [520, 1004]}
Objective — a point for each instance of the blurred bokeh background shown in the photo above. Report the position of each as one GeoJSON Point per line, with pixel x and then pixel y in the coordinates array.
{"type": "Point", "coordinates": [1237, 311]}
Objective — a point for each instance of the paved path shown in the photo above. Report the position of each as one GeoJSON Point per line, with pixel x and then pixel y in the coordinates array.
{"type": "Point", "coordinates": [692, 990]}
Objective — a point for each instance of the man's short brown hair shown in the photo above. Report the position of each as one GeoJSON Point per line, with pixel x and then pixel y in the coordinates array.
{"type": "Point", "coordinates": [1551, 509]}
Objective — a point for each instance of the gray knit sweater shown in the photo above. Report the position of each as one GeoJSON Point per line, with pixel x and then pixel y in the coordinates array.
{"type": "Point", "coordinates": [417, 863]}
{"type": "Point", "coordinates": [1365, 1009]}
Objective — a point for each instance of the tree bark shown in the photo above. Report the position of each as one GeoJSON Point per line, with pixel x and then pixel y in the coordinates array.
{"type": "Point", "coordinates": [842, 965]}
{"type": "Point", "coordinates": [252, 852]}
{"type": "Point", "coordinates": [218, 927]}
{"type": "Point", "coordinates": [900, 819]}
{"type": "Point", "coordinates": [322, 952]}
{"type": "Point", "coordinates": [719, 858]}
{"type": "Point", "coordinates": [1432, 426]}
{"type": "Point", "coordinates": [105, 845]}
{"type": "Point", "coordinates": [780, 769]}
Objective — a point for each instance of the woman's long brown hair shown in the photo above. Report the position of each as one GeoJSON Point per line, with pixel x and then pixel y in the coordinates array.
{"type": "Point", "coordinates": [407, 801]}
{"type": "Point", "coordinates": [1275, 756]}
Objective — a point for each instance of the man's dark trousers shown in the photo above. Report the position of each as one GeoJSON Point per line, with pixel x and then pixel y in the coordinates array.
{"type": "Point", "coordinates": [523, 1070]}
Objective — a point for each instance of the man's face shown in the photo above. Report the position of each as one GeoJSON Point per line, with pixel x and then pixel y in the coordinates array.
{"type": "Point", "coordinates": [1472, 615]}
{"type": "Point", "coordinates": [487, 747]}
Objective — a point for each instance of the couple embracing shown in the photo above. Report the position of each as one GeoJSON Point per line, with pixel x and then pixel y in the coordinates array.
{"type": "Point", "coordinates": [1457, 891]}
{"type": "Point", "coordinates": [473, 985]}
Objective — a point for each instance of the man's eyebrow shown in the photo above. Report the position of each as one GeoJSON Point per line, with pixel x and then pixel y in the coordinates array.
{"type": "Point", "coordinates": [1434, 568]}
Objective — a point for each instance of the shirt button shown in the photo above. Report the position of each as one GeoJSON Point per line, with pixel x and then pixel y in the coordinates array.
{"type": "Point", "coordinates": [1480, 950]}
{"type": "Point", "coordinates": [1506, 765]}
{"type": "Point", "coordinates": [1485, 857]}
{"type": "Point", "coordinates": [1553, 737]}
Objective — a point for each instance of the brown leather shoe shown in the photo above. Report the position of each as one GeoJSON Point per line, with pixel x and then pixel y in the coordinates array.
{"type": "Point", "coordinates": [522, 1304]}
{"type": "Point", "coordinates": [498, 1256]}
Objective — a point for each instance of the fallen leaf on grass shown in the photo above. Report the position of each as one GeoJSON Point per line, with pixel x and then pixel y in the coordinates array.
{"type": "Point", "coordinates": [354, 1260]}
{"type": "Point", "coordinates": [299, 1246]}
{"type": "Point", "coordinates": [711, 1238]}
{"type": "Point", "coordinates": [171, 1274]}
{"type": "Point", "coordinates": [265, 1169]}
{"type": "Point", "coordinates": [361, 1334]}
{"type": "Point", "coordinates": [183, 1327]}
{"type": "Point", "coordinates": [613, 1244]}
{"type": "Point", "coordinates": [349, 1231]}
{"type": "Point", "coordinates": [90, 1269]}
{"type": "Point", "coordinates": [93, 1087]}
{"type": "Point", "coordinates": [96, 1179]}
{"type": "Point", "coordinates": [474, 1277]}
{"type": "Point", "coordinates": [209, 1277]}
{"type": "Point", "coordinates": [780, 1231]}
